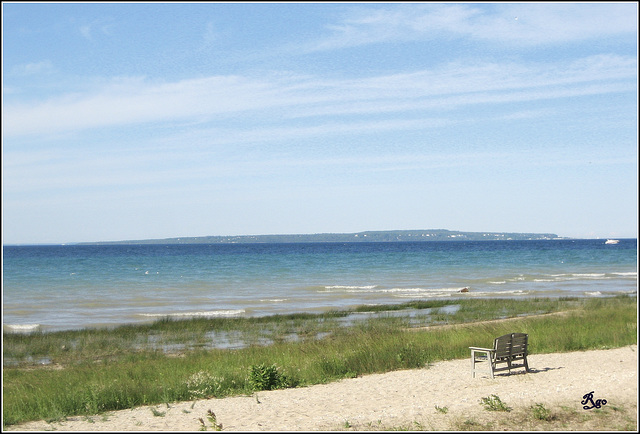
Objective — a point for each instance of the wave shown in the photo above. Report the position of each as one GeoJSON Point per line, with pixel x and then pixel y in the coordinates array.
{"type": "Point", "coordinates": [421, 290]}
{"type": "Point", "coordinates": [212, 313]}
{"type": "Point", "coordinates": [565, 277]}
{"type": "Point", "coordinates": [589, 275]}
{"type": "Point", "coordinates": [350, 287]}
{"type": "Point", "coordinates": [500, 293]}
{"type": "Point", "coordinates": [375, 289]}
{"type": "Point", "coordinates": [20, 328]}
{"type": "Point", "coordinates": [470, 293]}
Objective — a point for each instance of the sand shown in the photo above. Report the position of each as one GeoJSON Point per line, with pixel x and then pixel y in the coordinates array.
{"type": "Point", "coordinates": [405, 398]}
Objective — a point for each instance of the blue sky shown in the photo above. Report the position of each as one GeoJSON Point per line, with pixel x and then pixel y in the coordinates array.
{"type": "Point", "coordinates": [154, 120]}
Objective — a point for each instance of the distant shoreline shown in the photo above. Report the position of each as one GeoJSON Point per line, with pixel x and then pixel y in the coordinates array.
{"type": "Point", "coordinates": [419, 235]}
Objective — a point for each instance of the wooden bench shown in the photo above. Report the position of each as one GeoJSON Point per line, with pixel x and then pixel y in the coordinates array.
{"type": "Point", "coordinates": [506, 350]}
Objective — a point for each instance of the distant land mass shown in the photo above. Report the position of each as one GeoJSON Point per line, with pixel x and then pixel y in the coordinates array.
{"type": "Point", "coordinates": [359, 237]}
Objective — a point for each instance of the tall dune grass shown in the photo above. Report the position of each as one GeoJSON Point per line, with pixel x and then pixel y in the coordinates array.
{"type": "Point", "coordinates": [97, 370]}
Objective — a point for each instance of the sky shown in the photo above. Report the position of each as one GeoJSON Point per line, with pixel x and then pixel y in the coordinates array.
{"type": "Point", "coordinates": [129, 121]}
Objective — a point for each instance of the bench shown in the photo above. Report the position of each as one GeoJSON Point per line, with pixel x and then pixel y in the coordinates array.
{"type": "Point", "coordinates": [506, 350]}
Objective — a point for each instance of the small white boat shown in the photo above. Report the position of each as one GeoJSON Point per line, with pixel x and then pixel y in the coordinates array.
{"type": "Point", "coordinates": [612, 241]}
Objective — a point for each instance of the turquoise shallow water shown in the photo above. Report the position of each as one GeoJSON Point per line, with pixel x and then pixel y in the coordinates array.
{"type": "Point", "coordinates": [73, 286]}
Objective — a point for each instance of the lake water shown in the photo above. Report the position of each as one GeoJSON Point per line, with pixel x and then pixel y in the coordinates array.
{"type": "Point", "coordinates": [74, 286]}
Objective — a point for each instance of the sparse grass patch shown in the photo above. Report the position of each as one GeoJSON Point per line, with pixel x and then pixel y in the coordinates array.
{"type": "Point", "coordinates": [540, 412]}
{"type": "Point", "coordinates": [494, 403]}
{"type": "Point", "coordinates": [562, 418]}
{"type": "Point", "coordinates": [443, 410]}
{"type": "Point", "coordinates": [157, 412]}
{"type": "Point", "coordinates": [213, 420]}
{"type": "Point", "coordinates": [470, 424]}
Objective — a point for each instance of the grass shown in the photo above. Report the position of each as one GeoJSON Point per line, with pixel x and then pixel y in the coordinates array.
{"type": "Point", "coordinates": [93, 371]}
{"type": "Point", "coordinates": [494, 403]}
{"type": "Point", "coordinates": [561, 418]}
{"type": "Point", "coordinates": [443, 410]}
{"type": "Point", "coordinates": [533, 418]}
{"type": "Point", "coordinates": [213, 421]}
{"type": "Point", "coordinates": [540, 412]}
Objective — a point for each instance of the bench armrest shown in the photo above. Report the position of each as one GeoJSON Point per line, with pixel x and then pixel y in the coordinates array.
{"type": "Point", "coordinates": [481, 349]}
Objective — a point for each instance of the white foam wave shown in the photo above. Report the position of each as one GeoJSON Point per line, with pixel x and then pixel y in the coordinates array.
{"type": "Point", "coordinates": [579, 276]}
{"type": "Point", "coordinates": [425, 295]}
{"type": "Point", "coordinates": [496, 293]}
{"type": "Point", "coordinates": [426, 292]}
{"type": "Point", "coordinates": [413, 292]}
{"type": "Point", "coordinates": [593, 293]}
{"type": "Point", "coordinates": [213, 313]}
{"type": "Point", "coordinates": [404, 290]}
{"type": "Point", "coordinates": [348, 287]}
{"type": "Point", "coordinates": [517, 279]}
{"type": "Point", "coordinates": [630, 274]}
{"type": "Point", "coordinates": [21, 328]}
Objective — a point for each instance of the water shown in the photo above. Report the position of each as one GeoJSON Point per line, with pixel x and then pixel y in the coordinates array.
{"type": "Point", "coordinates": [75, 286]}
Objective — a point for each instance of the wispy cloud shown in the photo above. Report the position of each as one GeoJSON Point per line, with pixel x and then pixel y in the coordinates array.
{"type": "Point", "coordinates": [509, 24]}
{"type": "Point", "coordinates": [138, 100]}
{"type": "Point", "coordinates": [376, 25]}
{"type": "Point", "coordinates": [100, 27]}
{"type": "Point", "coordinates": [521, 23]}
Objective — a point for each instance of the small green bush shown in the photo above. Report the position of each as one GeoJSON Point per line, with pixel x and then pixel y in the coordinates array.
{"type": "Point", "coordinates": [494, 403]}
{"type": "Point", "coordinates": [263, 377]}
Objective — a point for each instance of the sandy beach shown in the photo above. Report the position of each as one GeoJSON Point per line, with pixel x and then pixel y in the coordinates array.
{"type": "Point", "coordinates": [397, 399]}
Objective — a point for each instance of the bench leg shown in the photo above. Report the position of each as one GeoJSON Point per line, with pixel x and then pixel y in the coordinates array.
{"type": "Point", "coordinates": [489, 363]}
{"type": "Point", "coordinates": [473, 365]}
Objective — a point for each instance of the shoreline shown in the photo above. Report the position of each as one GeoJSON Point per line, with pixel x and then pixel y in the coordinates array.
{"type": "Point", "coordinates": [405, 398]}
{"type": "Point", "coordinates": [26, 329]}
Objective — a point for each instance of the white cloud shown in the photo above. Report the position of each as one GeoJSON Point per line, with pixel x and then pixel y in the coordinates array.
{"type": "Point", "coordinates": [536, 23]}
{"type": "Point", "coordinates": [138, 101]}
{"type": "Point", "coordinates": [540, 23]}
{"type": "Point", "coordinates": [101, 26]}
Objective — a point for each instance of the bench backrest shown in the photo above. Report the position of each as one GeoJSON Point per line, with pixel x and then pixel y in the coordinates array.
{"type": "Point", "coordinates": [513, 344]}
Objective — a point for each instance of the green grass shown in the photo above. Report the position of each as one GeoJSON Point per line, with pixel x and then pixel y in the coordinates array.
{"type": "Point", "coordinates": [97, 370]}
{"type": "Point", "coordinates": [494, 403]}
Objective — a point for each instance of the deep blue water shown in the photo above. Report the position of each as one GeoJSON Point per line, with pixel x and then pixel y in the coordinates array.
{"type": "Point", "coordinates": [72, 286]}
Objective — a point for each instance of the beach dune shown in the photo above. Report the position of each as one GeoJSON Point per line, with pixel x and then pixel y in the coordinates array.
{"type": "Point", "coordinates": [406, 398]}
